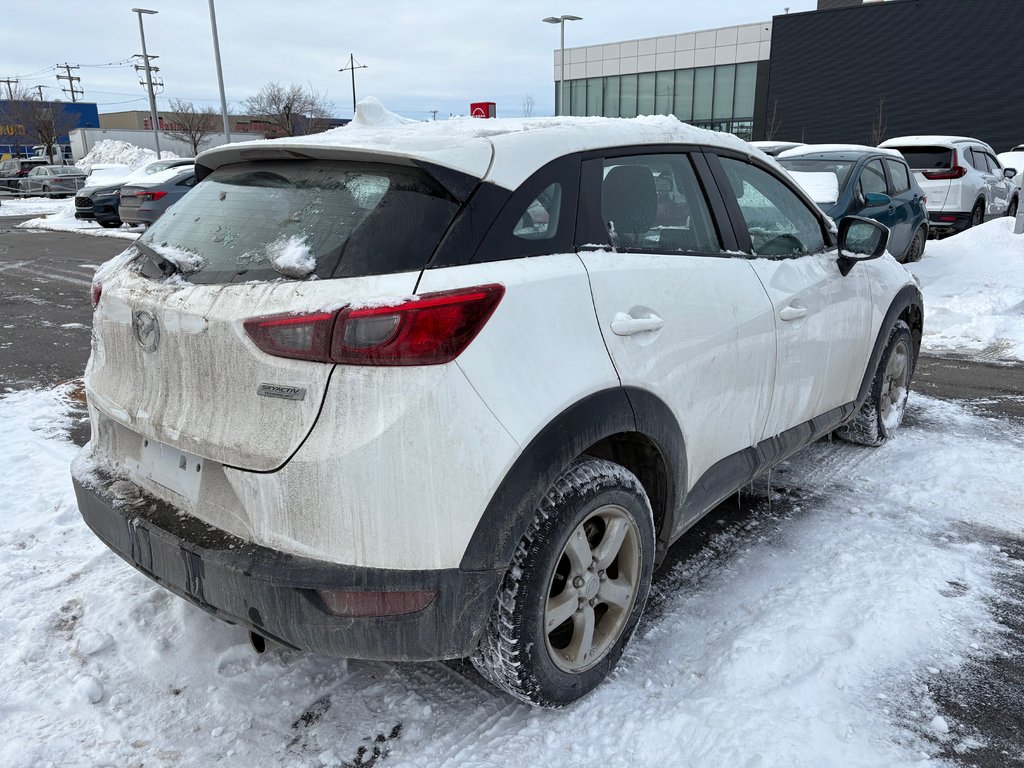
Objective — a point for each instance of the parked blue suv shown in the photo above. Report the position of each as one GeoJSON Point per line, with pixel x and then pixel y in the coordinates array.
{"type": "Point", "coordinates": [871, 182]}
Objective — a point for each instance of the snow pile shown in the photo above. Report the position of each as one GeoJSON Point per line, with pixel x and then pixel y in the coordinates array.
{"type": "Point", "coordinates": [807, 635]}
{"type": "Point", "coordinates": [31, 206]}
{"type": "Point", "coordinates": [185, 260]}
{"type": "Point", "coordinates": [290, 256]}
{"type": "Point", "coordinates": [371, 113]}
{"type": "Point", "coordinates": [973, 285]}
{"type": "Point", "coordinates": [63, 220]}
{"type": "Point", "coordinates": [119, 153]}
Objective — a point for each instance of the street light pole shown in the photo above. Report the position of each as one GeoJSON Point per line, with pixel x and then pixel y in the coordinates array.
{"type": "Point", "coordinates": [560, 20]}
{"type": "Point", "coordinates": [220, 74]}
{"type": "Point", "coordinates": [149, 78]}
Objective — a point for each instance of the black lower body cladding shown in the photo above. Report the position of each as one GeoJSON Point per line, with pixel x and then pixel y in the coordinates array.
{"type": "Point", "coordinates": [275, 594]}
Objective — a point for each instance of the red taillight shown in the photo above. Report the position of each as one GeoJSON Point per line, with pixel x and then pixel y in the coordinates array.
{"type": "Point", "coordinates": [148, 196]}
{"type": "Point", "coordinates": [97, 291]}
{"type": "Point", "coordinates": [432, 329]}
{"type": "Point", "coordinates": [355, 604]}
{"type": "Point", "coordinates": [954, 171]}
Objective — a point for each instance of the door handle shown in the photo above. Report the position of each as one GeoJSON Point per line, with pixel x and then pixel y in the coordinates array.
{"type": "Point", "coordinates": [793, 313]}
{"type": "Point", "coordinates": [627, 325]}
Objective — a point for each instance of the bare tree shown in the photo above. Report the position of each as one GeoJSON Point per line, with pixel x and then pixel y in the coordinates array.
{"type": "Point", "coordinates": [291, 110]}
{"type": "Point", "coordinates": [528, 105]}
{"type": "Point", "coordinates": [772, 124]}
{"type": "Point", "coordinates": [878, 126]}
{"type": "Point", "coordinates": [187, 123]}
{"type": "Point", "coordinates": [45, 122]}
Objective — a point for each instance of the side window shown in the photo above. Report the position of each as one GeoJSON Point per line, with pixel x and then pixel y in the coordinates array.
{"type": "Point", "coordinates": [654, 202]}
{"type": "Point", "coordinates": [977, 158]}
{"type": "Point", "coordinates": [899, 175]}
{"type": "Point", "coordinates": [993, 165]}
{"type": "Point", "coordinates": [779, 222]}
{"type": "Point", "coordinates": [540, 219]}
{"type": "Point", "coordinates": [872, 178]}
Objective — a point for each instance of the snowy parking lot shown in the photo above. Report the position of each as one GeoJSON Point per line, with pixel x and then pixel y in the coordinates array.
{"type": "Point", "coordinates": [855, 608]}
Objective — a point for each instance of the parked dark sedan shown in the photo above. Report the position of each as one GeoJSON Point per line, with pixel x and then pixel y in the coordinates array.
{"type": "Point", "coordinates": [853, 180]}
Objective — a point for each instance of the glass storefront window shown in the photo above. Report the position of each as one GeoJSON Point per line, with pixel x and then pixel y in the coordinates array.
{"type": "Point", "coordinates": [595, 92]}
{"type": "Point", "coordinates": [725, 83]}
{"type": "Point", "coordinates": [663, 83]}
{"type": "Point", "coordinates": [627, 96]}
{"type": "Point", "coordinates": [645, 94]}
{"type": "Point", "coordinates": [746, 84]}
{"type": "Point", "coordinates": [611, 96]}
{"type": "Point", "coordinates": [703, 92]}
{"type": "Point", "coordinates": [682, 103]}
{"type": "Point", "coordinates": [578, 96]}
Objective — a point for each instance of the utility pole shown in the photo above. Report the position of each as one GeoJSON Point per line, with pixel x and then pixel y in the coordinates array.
{"type": "Point", "coordinates": [10, 92]}
{"type": "Point", "coordinates": [352, 66]}
{"type": "Point", "coordinates": [149, 78]}
{"type": "Point", "coordinates": [220, 74]}
{"type": "Point", "coordinates": [433, 114]}
{"type": "Point", "coordinates": [74, 92]}
{"type": "Point", "coordinates": [40, 87]}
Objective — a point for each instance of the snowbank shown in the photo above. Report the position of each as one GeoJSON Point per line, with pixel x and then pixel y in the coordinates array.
{"type": "Point", "coordinates": [30, 206]}
{"type": "Point", "coordinates": [63, 220]}
{"type": "Point", "coordinates": [119, 153]}
{"type": "Point", "coordinates": [973, 286]}
{"type": "Point", "coordinates": [808, 633]}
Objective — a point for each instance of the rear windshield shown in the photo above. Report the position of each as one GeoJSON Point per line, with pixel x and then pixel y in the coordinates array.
{"type": "Point", "coordinates": [841, 168]}
{"type": "Point", "coordinates": [299, 219]}
{"type": "Point", "coordinates": [927, 158]}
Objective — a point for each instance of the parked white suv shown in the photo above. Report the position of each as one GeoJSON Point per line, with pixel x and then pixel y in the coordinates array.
{"type": "Point", "coordinates": [452, 389]}
{"type": "Point", "coordinates": [962, 178]}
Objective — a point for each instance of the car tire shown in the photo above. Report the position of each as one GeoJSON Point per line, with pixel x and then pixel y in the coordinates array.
{"type": "Point", "coordinates": [1011, 209]}
{"type": "Point", "coordinates": [110, 224]}
{"type": "Point", "coordinates": [880, 415]}
{"type": "Point", "coordinates": [46, 192]}
{"type": "Point", "coordinates": [977, 215]}
{"type": "Point", "coordinates": [915, 250]}
{"type": "Point", "coordinates": [575, 588]}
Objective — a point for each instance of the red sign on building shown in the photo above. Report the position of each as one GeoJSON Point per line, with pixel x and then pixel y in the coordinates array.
{"type": "Point", "coordinates": [483, 109]}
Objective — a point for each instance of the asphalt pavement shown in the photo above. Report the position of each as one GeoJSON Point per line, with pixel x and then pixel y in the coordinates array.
{"type": "Point", "coordinates": [45, 315]}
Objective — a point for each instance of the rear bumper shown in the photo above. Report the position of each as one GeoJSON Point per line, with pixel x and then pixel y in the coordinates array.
{"type": "Point", "coordinates": [944, 222]}
{"type": "Point", "coordinates": [275, 594]}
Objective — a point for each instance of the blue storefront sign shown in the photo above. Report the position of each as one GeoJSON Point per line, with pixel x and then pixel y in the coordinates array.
{"type": "Point", "coordinates": [18, 137]}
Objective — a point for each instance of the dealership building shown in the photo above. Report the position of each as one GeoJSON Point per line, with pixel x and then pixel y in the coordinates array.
{"type": "Point", "coordinates": [852, 71]}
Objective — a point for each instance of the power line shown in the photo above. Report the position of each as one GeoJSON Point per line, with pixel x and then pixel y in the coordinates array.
{"type": "Point", "coordinates": [71, 90]}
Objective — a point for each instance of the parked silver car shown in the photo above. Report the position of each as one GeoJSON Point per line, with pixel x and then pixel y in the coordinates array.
{"type": "Point", "coordinates": [53, 181]}
{"type": "Point", "coordinates": [144, 201]}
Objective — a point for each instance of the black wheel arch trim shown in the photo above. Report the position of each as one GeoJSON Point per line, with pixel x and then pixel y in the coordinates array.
{"type": "Point", "coordinates": [909, 297]}
{"type": "Point", "coordinates": [601, 415]}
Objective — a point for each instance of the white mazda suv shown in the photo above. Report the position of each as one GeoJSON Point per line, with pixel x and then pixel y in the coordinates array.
{"type": "Point", "coordinates": [452, 389]}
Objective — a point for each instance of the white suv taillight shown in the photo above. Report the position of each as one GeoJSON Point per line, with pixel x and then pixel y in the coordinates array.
{"type": "Point", "coordinates": [427, 330]}
{"type": "Point", "coordinates": [955, 171]}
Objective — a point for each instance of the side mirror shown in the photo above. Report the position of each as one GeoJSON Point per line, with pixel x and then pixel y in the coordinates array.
{"type": "Point", "coordinates": [860, 239]}
{"type": "Point", "coordinates": [876, 199]}
{"type": "Point", "coordinates": [1009, 173]}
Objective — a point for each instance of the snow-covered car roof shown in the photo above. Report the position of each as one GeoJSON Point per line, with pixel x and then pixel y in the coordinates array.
{"type": "Point", "coordinates": [160, 177]}
{"type": "Point", "coordinates": [504, 151]}
{"type": "Point", "coordinates": [926, 141]}
{"type": "Point", "coordinates": [835, 149]}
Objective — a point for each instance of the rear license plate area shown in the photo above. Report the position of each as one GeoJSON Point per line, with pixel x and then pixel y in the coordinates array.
{"type": "Point", "coordinates": [174, 469]}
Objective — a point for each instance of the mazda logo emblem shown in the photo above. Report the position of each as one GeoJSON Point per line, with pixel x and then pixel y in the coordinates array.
{"type": "Point", "coordinates": [147, 332]}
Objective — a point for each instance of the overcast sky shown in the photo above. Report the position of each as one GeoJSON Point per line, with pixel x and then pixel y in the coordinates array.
{"type": "Point", "coordinates": [420, 56]}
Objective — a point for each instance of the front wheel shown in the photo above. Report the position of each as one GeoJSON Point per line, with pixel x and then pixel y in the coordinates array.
{"type": "Point", "coordinates": [575, 588]}
{"type": "Point", "coordinates": [882, 412]}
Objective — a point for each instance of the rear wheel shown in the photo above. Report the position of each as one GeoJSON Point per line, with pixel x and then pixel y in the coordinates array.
{"type": "Point", "coordinates": [915, 250]}
{"type": "Point", "coordinates": [977, 215]}
{"type": "Point", "coordinates": [1011, 209]}
{"type": "Point", "coordinates": [110, 223]}
{"type": "Point", "coordinates": [575, 588]}
{"type": "Point", "coordinates": [882, 412]}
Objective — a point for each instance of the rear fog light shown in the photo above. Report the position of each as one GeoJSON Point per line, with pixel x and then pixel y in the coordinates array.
{"type": "Point", "coordinates": [363, 604]}
{"type": "Point", "coordinates": [97, 291]}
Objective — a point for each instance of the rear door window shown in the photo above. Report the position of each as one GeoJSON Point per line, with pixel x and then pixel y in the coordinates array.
{"type": "Point", "coordinates": [654, 202]}
{"type": "Point", "coordinates": [899, 177]}
{"type": "Point", "coordinates": [300, 219]}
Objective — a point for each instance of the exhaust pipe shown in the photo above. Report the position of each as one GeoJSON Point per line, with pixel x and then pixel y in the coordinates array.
{"type": "Point", "coordinates": [258, 642]}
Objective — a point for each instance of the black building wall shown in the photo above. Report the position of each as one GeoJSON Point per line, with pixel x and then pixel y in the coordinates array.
{"type": "Point", "coordinates": [942, 67]}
